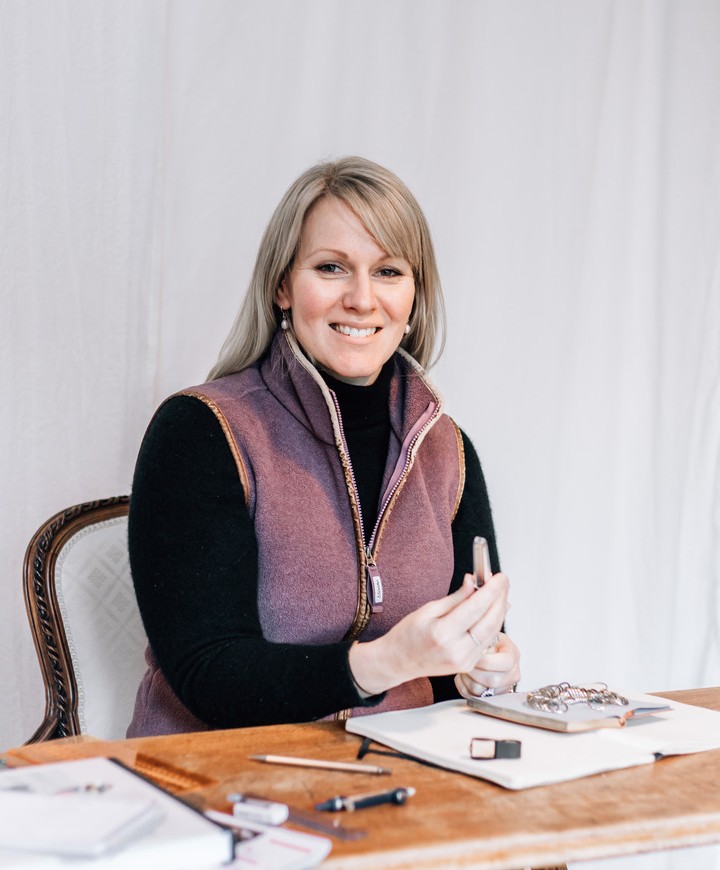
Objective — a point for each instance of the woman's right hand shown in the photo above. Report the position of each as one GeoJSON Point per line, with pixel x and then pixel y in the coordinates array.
{"type": "Point", "coordinates": [443, 637]}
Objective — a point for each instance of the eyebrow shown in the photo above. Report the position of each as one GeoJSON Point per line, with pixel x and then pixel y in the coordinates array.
{"type": "Point", "coordinates": [334, 251]}
{"type": "Point", "coordinates": [343, 255]}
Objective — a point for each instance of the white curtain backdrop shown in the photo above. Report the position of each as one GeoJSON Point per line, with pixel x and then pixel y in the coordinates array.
{"type": "Point", "coordinates": [567, 155]}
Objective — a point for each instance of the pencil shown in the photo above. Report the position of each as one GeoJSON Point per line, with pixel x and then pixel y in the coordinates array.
{"type": "Point", "coordinates": [348, 767]}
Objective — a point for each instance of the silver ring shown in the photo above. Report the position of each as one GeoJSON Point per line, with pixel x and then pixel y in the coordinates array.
{"type": "Point", "coordinates": [473, 638]}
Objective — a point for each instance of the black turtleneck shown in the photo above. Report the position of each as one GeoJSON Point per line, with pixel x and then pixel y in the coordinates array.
{"type": "Point", "coordinates": [365, 412]}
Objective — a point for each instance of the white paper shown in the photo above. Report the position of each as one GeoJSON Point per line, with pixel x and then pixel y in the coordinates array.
{"type": "Point", "coordinates": [183, 839]}
{"type": "Point", "coordinates": [78, 825]}
{"type": "Point", "coordinates": [441, 733]}
{"type": "Point", "coordinates": [275, 848]}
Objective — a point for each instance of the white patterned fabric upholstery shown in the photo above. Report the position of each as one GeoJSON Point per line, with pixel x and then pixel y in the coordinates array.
{"type": "Point", "coordinates": [103, 626]}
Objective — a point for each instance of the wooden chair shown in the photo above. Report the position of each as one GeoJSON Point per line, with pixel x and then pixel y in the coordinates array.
{"type": "Point", "coordinates": [85, 621]}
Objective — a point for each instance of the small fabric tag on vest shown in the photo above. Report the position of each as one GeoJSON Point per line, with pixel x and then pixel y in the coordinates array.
{"type": "Point", "coordinates": [375, 589]}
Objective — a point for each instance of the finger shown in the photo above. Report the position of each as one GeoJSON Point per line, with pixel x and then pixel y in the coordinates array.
{"type": "Point", "coordinates": [466, 687]}
{"type": "Point", "coordinates": [487, 628]}
{"type": "Point", "coordinates": [508, 648]}
{"type": "Point", "coordinates": [484, 659]}
{"type": "Point", "coordinates": [499, 681]}
{"type": "Point", "coordinates": [468, 613]}
{"type": "Point", "coordinates": [499, 671]}
{"type": "Point", "coordinates": [505, 660]}
{"type": "Point", "coordinates": [471, 688]}
{"type": "Point", "coordinates": [477, 650]}
{"type": "Point", "coordinates": [478, 679]}
{"type": "Point", "coordinates": [441, 606]}
{"type": "Point", "coordinates": [492, 663]}
{"type": "Point", "coordinates": [504, 657]}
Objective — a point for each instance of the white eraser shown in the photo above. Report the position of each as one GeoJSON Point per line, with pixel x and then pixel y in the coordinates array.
{"type": "Point", "coordinates": [263, 812]}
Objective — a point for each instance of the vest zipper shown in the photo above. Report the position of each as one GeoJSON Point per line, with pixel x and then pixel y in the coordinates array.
{"type": "Point", "coordinates": [374, 584]}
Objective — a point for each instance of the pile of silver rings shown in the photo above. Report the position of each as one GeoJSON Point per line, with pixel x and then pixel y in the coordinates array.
{"type": "Point", "coordinates": [556, 697]}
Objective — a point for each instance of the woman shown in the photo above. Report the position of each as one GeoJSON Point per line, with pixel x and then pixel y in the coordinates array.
{"type": "Point", "coordinates": [301, 525]}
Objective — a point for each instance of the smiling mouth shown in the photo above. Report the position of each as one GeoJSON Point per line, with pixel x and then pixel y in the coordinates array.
{"type": "Point", "coordinates": [353, 331]}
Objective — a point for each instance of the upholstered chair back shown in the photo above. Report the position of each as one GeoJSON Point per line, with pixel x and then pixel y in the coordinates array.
{"type": "Point", "coordinates": [85, 621]}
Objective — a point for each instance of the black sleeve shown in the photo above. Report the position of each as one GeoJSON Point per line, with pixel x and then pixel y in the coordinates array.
{"type": "Point", "coordinates": [193, 555]}
{"type": "Point", "coordinates": [474, 517]}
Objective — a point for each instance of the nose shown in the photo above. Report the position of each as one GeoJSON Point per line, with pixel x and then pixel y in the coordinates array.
{"type": "Point", "coordinates": [359, 293]}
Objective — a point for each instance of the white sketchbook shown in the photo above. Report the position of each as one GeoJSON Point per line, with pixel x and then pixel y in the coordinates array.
{"type": "Point", "coordinates": [62, 814]}
{"type": "Point", "coordinates": [441, 734]}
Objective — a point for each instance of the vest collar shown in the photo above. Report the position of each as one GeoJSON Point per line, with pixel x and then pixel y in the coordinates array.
{"type": "Point", "coordinates": [298, 386]}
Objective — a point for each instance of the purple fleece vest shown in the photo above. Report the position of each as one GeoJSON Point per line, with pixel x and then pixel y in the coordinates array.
{"type": "Point", "coordinates": [284, 431]}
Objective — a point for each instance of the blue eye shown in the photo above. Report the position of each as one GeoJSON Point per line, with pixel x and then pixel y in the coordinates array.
{"type": "Point", "coordinates": [329, 268]}
{"type": "Point", "coordinates": [387, 272]}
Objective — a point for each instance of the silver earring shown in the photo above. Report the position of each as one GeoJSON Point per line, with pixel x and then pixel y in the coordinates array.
{"type": "Point", "coordinates": [407, 329]}
{"type": "Point", "coordinates": [284, 323]}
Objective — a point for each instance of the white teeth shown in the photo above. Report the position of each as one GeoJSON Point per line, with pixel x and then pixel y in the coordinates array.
{"type": "Point", "coordinates": [353, 331]}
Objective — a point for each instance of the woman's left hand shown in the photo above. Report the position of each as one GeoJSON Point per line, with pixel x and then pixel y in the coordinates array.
{"type": "Point", "coordinates": [498, 670]}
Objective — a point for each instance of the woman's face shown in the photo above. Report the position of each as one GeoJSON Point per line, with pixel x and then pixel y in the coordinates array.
{"type": "Point", "coordinates": [350, 300]}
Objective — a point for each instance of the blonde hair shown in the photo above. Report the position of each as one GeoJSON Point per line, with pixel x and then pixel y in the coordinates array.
{"type": "Point", "coordinates": [390, 214]}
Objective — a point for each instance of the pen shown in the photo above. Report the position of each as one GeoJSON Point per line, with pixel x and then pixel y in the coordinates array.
{"type": "Point", "coordinates": [360, 801]}
{"type": "Point", "coordinates": [348, 767]}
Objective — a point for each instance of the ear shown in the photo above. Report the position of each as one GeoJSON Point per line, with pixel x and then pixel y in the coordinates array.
{"type": "Point", "coordinates": [282, 295]}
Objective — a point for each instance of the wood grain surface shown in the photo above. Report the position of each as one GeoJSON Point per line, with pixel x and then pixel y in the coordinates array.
{"type": "Point", "coordinates": [453, 820]}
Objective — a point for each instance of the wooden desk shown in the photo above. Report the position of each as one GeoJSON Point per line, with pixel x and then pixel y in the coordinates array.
{"type": "Point", "coordinates": [453, 820]}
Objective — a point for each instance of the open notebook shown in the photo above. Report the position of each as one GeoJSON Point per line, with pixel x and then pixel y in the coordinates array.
{"type": "Point", "coordinates": [441, 733]}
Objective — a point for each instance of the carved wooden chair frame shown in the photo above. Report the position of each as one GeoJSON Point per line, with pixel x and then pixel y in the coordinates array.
{"type": "Point", "coordinates": [51, 643]}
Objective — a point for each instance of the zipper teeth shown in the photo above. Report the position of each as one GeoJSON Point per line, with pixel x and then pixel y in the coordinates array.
{"type": "Point", "coordinates": [368, 546]}
{"type": "Point", "coordinates": [352, 472]}
{"type": "Point", "coordinates": [392, 492]}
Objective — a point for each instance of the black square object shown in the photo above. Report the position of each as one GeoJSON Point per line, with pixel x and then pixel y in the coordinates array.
{"type": "Point", "coordinates": [485, 747]}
